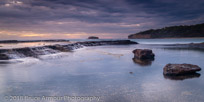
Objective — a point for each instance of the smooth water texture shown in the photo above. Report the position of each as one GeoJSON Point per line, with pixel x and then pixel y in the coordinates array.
{"type": "Point", "coordinates": [107, 72]}
{"type": "Point", "coordinates": [141, 41]}
{"type": "Point", "coordinates": [169, 41]}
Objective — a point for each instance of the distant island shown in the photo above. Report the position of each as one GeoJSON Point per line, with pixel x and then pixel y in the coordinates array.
{"type": "Point", "coordinates": [93, 37]}
{"type": "Point", "coordinates": [191, 31]}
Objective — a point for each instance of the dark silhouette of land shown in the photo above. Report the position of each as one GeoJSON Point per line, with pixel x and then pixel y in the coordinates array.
{"type": "Point", "coordinates": [191, 31]}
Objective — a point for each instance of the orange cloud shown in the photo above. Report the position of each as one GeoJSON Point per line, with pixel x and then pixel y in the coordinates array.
{"type": "Point", "coordinates": [13, 35]}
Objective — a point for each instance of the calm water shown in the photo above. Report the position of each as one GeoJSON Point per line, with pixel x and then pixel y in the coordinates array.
{"type": "Point", "coordinates": [169, 41]}
{"type": "Point", "coordinates": [104, 72]}
{"type": "Point", "coordinates": [155, 41]}
{"type": "Point", "coordinates": [141, 41]}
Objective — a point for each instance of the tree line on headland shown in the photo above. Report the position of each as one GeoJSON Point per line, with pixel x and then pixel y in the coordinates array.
{"type": "Point", "coordinates": [171, 32]}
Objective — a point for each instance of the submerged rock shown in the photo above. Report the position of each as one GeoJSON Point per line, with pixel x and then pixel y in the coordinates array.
{"type": "Point", "coordinates": [131, 72]}
{"type": "Point", "coordinates": [93, 37]}
{"type": "Point", "coordinates": [180, 69]}
{"type": "Point", "coordinates": [143, 54]}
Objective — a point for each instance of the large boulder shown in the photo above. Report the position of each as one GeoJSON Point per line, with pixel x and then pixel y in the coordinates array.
{"type": "Point", "coordinates": [143, 54]}
{"type": "Point", "coordinates": [180, 69]}
{"type": "Point", "coordinates": [4, 57]}
{"type": "Point", "coordinates": [93, 37]}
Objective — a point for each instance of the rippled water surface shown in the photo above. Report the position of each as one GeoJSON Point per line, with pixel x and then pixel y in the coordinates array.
{"type": "Point", "coordinates": [108, 72]}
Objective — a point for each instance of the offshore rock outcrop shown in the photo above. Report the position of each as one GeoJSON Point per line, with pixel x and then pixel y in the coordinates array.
{"type": "Point", "coordinates": [6, 54]}
{"type": "Point", "coordinates": [93, 37]}
{"type": "Point", "coordinates": [143, 54]}
{"type": "Point", "coordinates": [143, 57]}
{"type": "Point", "coordinates": [180, 69]}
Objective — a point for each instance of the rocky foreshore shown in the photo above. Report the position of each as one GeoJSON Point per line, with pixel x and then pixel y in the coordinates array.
{"type": "Point", "coordinates": [6, 54]}
{"type": "Point", "coordinates": [186, 46]}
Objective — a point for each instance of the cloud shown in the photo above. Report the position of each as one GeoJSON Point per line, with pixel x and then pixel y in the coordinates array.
{"type": "Point", "coordinates": [104, 18]}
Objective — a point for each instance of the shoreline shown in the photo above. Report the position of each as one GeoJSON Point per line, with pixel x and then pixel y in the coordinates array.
{"type": "Point", "coordinates": [13, 53]}
{"type": "Point", "coordinates": [6, 54]}
{"type": "Point", "coordinates": [171, 38]}
{"type": "Point", "coordinates": [68, 40]}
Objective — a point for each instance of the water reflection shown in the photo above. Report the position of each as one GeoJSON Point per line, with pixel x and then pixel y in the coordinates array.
{"type": "Point", "coordinates": [182, 77]}
{"type": "Point", "coordinates": [144, 62]}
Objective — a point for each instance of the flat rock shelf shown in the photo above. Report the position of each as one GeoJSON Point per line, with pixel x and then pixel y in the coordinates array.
{"type": "Point", "coordinates": [6, 54]}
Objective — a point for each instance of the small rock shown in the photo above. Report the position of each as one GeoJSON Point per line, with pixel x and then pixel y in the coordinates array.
{"type": "Point", "coordinates": [131, 72]}
{"type": "Point", "coordinates": [93, 37]}
{"type": "Point", "coordinates": [180, 69]}
{"type": "Point", "coordinates": [143, 54]}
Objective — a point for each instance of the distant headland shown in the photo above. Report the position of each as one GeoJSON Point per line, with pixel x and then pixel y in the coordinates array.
{"type": "Point", "coordinates": [182, 31]}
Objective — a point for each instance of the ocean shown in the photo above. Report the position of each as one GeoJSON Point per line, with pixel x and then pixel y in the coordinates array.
{"type": "Point", "coordinates": [102, 74]}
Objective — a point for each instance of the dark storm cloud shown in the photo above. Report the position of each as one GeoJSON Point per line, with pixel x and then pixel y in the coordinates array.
{"type": "Point", "coordinates": [97, 16]}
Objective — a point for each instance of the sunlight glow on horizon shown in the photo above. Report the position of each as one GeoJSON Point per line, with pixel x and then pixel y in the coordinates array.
{"type": "Point", "coordinates": [24, 35]}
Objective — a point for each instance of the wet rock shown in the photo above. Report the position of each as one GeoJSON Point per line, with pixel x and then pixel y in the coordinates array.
{"type": "Point", "coordinates": [131, 72]}
{"type": "Point", "coordinates": [51, 49]}
{"type": "Point", "coordinates": [182, 77]}
{"type": "Point", "coordinates": [180, 69]}
{"type": "Point", "coordinates": [115, 42]}
{"type": "Point", "coordinates": [93, 37]}
{"type": "Point", "coordinates": [143, 54]}
{"type": "Point", "coordinates": [100, 43]}
{"type": "Point", "coordinates": [28, 52]}
{"type": "Point", "coordinates": [59, 47]}
{"type": "Point", "coordinates": [4, 57]}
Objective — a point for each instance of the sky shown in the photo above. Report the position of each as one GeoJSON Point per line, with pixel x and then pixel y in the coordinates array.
{"type": "Point", "coordinates": [78, 19]}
